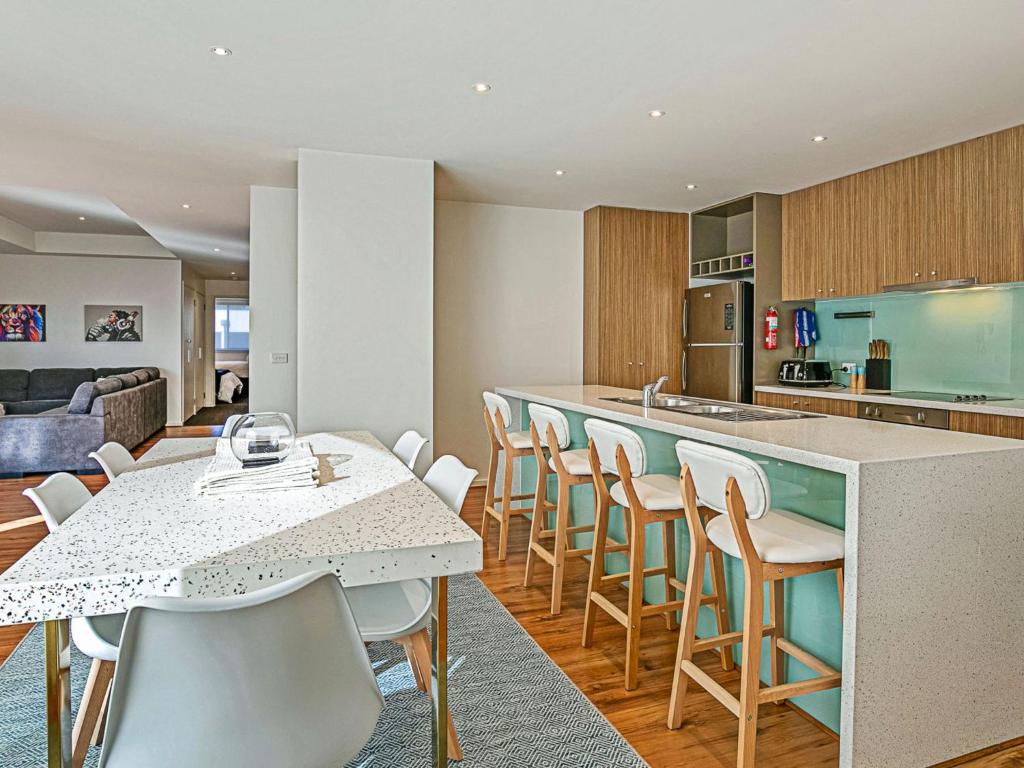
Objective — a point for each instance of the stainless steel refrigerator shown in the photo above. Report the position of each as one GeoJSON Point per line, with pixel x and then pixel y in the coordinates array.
{"type": "Point", "coordinates": [718, 337]}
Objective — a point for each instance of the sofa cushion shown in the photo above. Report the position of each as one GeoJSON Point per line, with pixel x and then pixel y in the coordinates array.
{"type": "Point", "coordinates": [104, 372]}
{"type": "Point", "coordinates": [142, 374]}
{"type": "Point", "coordinates": [56, 383]}
{"type": "Point", "coordinates": [154, 372]}
{"type": "Point", "coordinates": [3, 410]}
{"type": "Point", "coordinates": [127, 380]}
{"type": "Point", "coordinates": [88, 391]}
{"type": "Point", "coordinates": [13, 384]}
{"type": "Point", "coordinates": [32, 406]}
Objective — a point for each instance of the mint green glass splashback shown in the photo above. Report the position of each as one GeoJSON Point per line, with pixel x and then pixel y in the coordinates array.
{"type": "Point", "coordinates": [955, 341]}
{"type": "Point", "coordinates": [813, 620]}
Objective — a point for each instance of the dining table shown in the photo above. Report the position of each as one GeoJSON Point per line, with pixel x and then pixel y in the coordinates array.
{"type": "Point", "coordinates": [150, 533]}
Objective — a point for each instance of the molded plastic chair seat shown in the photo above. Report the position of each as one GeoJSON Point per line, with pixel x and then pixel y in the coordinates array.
{"type": "Point", "coordinates": [520, 440]}
{"type": "Point", "coordinates": [408, 447]}
{"type": "Point", "coordinates": [98, 636]}
{"type": "Point", "coordinates": [656, 492]}
{"type": "Point", "coordinates": [390, 611]}
{"type": "Point", "coordinates": [576, 462]}
{"type": "Point", "coordinates": [113, 459]}
{"type": "Point", "coordinates": [781, 537]}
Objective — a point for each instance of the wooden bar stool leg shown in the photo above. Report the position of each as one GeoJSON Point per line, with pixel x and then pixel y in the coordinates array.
{"type": "Point", "coordinates": [506, 508]}
{"type": "Point", "coordinates": [688, 630]}
{"type": "Point", "coordinates": [536, 525]}
{"type": "Point", "coordinates": [724, 623]}
{"type": "Point", "coordinates": [750, 676]}
{"type": "Point", "coordinates": [596, 566]}
{"type": "Point", "coordinates": [561, 544]}
{"type": "Point", "coordinates": [668, 542]}
{"type": "Point", "coordinates": [636, 601]}
{"type": "Point", "coordinates": [492, 478]}
{"type": "Point", "coordinates": [90, 709]}
{"type": "Point", "coordinates": [841, 584]}
{"type": "Point", "coordinates": [777, 616]}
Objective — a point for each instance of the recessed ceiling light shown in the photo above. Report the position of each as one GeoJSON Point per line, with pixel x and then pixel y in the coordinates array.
{"type": "Point", "coordinates": [232, 273]}
{"type": "Point", "coordinates": [559, 172]}
{"type": "Point", "coordinates": [185, 205]}
{"type": "Point", "coordinates": [691, 186]}
{"type": "Point", "coordinates": [220, 50]}
{"type": "Point", "coordinates": [217, 250]}
{"type": "Point", "coordinates": [481, 87]}
{"type": "Point", "coordinates": [657, 113]}
{"type": "Point", "coordinates": [81, 218]}
{"type": "Point", "coordinates": [818, 139]}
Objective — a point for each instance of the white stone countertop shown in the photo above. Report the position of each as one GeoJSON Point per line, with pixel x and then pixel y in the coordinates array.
{"type": "Point", "coordinates": [996, 407]}
{"type": "Point", "coordinates": [148, 533]}
{"type": "Point", "coordinates": [829, 442]}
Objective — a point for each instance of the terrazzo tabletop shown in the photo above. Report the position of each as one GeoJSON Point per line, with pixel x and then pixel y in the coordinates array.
{"type": "Point", "coordinates": [148, 533]}
{"type": "Point", "coordinates": [830, 442]}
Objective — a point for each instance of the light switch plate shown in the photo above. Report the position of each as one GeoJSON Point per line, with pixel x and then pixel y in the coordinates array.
{"type": "Point", "coordinates": [279, 357]}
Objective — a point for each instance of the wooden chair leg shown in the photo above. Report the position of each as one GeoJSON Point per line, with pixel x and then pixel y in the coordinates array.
{"type": "Point", "coordinates": [414, 664]}
{"type": "Point", "coordinates": [840, 583]}
{"type": "Point", "coordinates": [421, 644]}
{"type": "Point", "coordinates": [90, 710]}
{"type": "Point", "coordinates": [101, 724]}
{"type": "Point", "coordinates": [721, 606]}
{"type": "Point", "coordinates": [492, 478]}
{"type": "Point", "coordinates": [668, 543]}
{"type": "Point", "coordinates": [636, 602]}
{"type": "Point", "coordinates": [536, 526]}
{"type": "Point", "coordinates": [688, 630]}
{"type": "Point", "coordinates": [750, 675]}
{"type": "Point", "coordinates": [506, 509]}
{"type": "Point", "coordinates": [561, 544]}
{"type": "Point", "coordinates": [596, 568]}
{"type": "Point", "coordinates": [777, 616]}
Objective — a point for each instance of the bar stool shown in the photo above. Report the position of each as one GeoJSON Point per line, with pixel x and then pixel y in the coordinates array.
{"type": "Point", "coordinates": [549, 429]}
{"type": "Point", "coordinates": [513, 445]}
{"type": "Point", "coordinates": [618, 451]}
{"type": "Point", "coordinates": [774, 545]}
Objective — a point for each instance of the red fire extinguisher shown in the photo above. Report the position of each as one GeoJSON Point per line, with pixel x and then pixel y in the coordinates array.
{"type": "Point", "coordinates": [771, 328]}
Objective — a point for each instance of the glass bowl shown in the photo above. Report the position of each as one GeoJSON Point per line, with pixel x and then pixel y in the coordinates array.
{"type": "Point", "coordinates": [261, 439]}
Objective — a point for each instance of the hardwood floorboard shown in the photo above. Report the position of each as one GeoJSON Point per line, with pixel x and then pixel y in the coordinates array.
{"type": "Point", "coordinates": [786, 739]}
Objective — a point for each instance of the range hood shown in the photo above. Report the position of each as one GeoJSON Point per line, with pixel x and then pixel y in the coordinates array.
{"type": "Point", "coordinates": [932, 285]}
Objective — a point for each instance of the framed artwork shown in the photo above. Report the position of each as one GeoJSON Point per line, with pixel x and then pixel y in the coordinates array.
{"type": "Point", "coordinates": [22, 322]}
{"type": "Point", "coordinates": [113, 322]}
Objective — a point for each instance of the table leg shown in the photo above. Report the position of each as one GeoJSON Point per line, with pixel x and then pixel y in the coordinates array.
{"type": "Point", "coordinates": [439, 671]}
{"type": "Point", "coordinates": [58, 693]}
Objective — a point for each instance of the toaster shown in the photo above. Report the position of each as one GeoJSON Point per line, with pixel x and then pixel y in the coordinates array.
{"type": "Point", "coordinates": [805, 373]}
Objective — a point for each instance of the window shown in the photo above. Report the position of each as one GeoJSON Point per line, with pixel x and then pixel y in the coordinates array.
{"type": "Point", "coordinates": [231, 325]}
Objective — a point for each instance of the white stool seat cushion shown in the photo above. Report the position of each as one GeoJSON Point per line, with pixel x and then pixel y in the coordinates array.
{"type": "Point", "coordinates": [656, 492]}
{"type": "Point", "coordinates": [98, 637]}
{"type": "Point", "coordinates": [781, 537]}
{"type": "Point", "coordinates": [389, 611]}
{"type": "Point", "coordinates": [576, 462]}
{"type": "Point", "coordinates": [520, 440]}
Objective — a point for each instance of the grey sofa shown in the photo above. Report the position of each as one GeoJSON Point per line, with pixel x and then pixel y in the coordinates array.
{"type": "Point", "coordinates": [56, 417]}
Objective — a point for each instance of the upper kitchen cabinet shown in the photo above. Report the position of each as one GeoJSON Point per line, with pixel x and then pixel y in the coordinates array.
{"type": "Point", "coordinates": [953, 213]}
{"type": "Point", "coordinates": [634, 276]}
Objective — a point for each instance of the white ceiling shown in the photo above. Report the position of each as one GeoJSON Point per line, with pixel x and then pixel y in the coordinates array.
{"type": "Point", "coordinates": [122, 99]}
{"type": "Point", "coordinates": [50, 210]}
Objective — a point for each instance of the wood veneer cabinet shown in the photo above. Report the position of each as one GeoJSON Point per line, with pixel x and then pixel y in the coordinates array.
{"type": "Point", "coordinates": [953, 213]}
{"type": "Point", "coordinates": [987, 424]}
{"type": "Point", "coordinates": [799, 401]}
{"type": "Point", "coordinates": [634, 276]}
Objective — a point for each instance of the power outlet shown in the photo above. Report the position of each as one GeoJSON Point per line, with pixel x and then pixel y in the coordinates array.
{"type": "Point", "coordinates": [847, 367]}
{"type": "Point", "coordinates": [278, 358]}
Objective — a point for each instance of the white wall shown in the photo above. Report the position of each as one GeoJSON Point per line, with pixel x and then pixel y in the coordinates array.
{"type": "Point", "coordinates": [365, 293]}
{"type": "Point", "coordinates": [508, 309]}
{"type": "Point", "coordinates": [273, 266]}
{"type": "Point", "coordinates": [213, 290]}
{"type": "Point", "coordinates": [65, 284]}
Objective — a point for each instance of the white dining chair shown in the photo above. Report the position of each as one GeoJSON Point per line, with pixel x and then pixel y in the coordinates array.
{"type": "Point", "coordinates": [278, 676]}
{"type": "Point", "coordinates": [113, 458]}
{"type": "Point", "coordinates": [408, 447]}
{"type": "Point", "coordinates": [400, 610]}
{"type": "Point", "coordinates": [57, 498]}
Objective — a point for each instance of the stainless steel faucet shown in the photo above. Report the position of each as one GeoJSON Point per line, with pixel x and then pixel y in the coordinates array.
{"type": "Point", "coordinates": [651, 391]}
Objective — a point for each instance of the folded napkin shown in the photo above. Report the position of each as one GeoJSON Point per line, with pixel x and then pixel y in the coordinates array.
{"type": "Point", "coordinates": [225, 474]}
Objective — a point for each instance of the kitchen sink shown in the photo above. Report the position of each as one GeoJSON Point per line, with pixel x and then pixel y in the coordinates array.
{"type": "Point", "coordinates": [735, 412]}
{"type": "Point", "coordinates": [660, 401]}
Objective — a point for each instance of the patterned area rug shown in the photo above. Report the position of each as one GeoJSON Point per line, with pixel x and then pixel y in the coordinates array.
{"type": "Point", "coordinates": [512, 705]}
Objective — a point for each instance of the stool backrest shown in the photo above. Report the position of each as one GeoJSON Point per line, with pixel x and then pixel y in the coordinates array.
{"type": "Point", "coordinates": [58, 497]}
{"type": "Point", "coordinates": [498, 406]}
{"type": "Point", "coordinates": [278, 676]}
{"type": "Point", "coordinates": [607, 437]}
{"type": "Point", "coordinates": [711, 467]}
{"type": "Point", "coordinates": [450, 479]}
{"type": "Point", "coordinates": [542, 415]}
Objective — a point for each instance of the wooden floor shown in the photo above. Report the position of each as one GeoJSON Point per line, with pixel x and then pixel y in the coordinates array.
{"type": "Point", "coordinates": [786, 739]}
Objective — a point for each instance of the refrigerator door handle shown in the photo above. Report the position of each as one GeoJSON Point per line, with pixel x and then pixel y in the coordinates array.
{"type": "Point", "coordinates": [683, 372]}
{"type": "Point", "coordinates": [686, 315]}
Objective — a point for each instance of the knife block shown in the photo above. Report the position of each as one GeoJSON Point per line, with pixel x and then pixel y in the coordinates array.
{"type": "Point", "coordinates": [878, 374]}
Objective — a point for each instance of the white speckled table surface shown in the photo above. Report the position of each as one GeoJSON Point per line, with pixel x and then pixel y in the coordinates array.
{"type": "Point", "coordinates": [148, 533]}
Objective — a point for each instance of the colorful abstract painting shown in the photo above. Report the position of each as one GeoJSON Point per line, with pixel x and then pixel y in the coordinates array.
{"type": "Point", "coordinates": [113, 322]}
{"type": "Point", "coordinates": [22, 322]}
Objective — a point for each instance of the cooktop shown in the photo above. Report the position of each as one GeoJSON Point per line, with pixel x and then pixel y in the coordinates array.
{"type": "Point", "coordinates": [946, 397]}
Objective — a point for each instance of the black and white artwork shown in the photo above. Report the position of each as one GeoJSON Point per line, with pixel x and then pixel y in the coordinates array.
{"type": "Point", "coordinates": [113, 322]}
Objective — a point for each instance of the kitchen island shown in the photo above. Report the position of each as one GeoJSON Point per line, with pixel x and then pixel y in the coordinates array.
{"type": "Point", "coordinates": [930, 640]}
